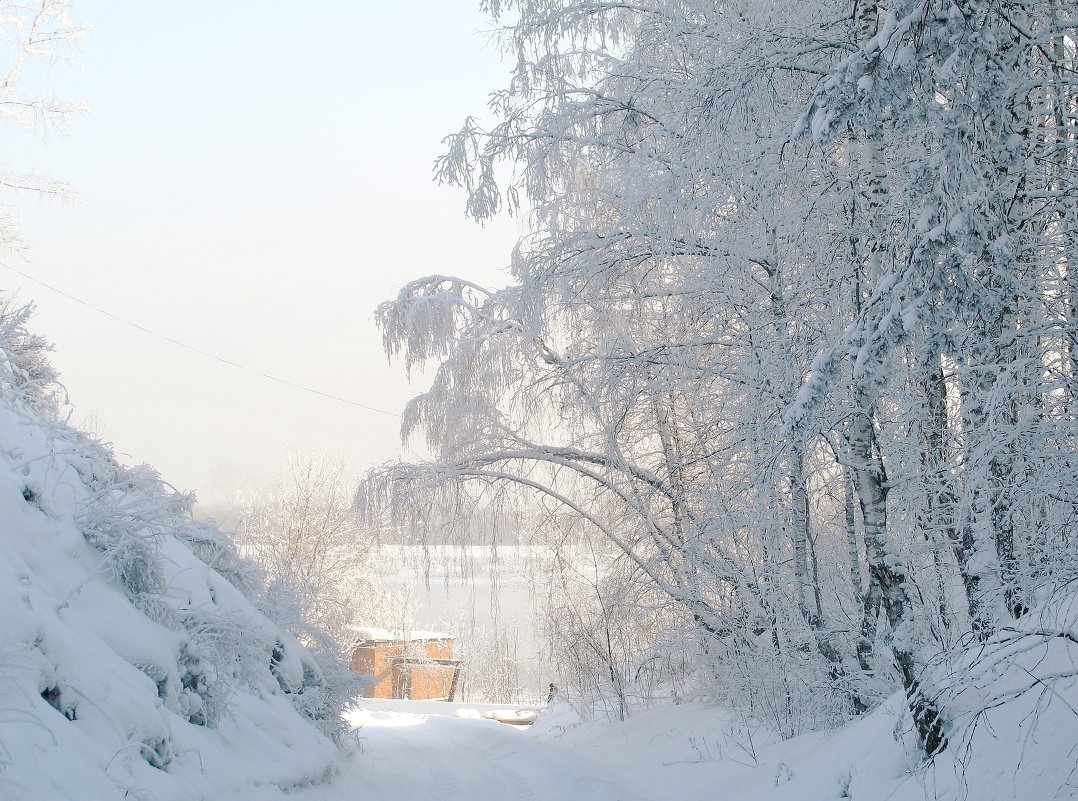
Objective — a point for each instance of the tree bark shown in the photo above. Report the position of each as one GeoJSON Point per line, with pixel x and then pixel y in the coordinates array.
{"type": "Point", "coordinates": [885, 569]}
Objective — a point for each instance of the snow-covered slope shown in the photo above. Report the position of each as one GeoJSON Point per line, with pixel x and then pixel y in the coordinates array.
{"type": "Point", "coordinates": [133, 662]}
{"type": "Point", "coordinates": [1012, 719]}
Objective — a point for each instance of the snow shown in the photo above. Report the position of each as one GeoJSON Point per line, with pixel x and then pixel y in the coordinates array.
{"type": "Point", "coordinates": [406, 754]}
{"type": "Point", "coordinates": [111, 692]}
{"type": "Point", "coordinates": [93, 706]}
{"type": "Point", "coordinates": [372, 634]}
{"type": "Point", "coordinates": [134, 665]}
{"type": "Point", "coordinates": [689, 752]}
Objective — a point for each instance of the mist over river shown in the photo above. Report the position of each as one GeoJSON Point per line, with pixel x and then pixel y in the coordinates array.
{"type": "Point", "coordinates": [482, 597]}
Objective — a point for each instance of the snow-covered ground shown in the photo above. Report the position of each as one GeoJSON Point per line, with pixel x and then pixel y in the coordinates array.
{"type": "Point", "coordinates": [413, 751]}
{"type": "Point", "coordinates": [690, 752]}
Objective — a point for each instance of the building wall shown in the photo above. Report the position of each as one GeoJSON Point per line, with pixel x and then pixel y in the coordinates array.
{"type": "Point", "coordinates": [377, 661]}
{"type": "Point", "coordinates": [438, 649]}
{"type": "Point", "coordinates": [415, 681]}
{"type": "Point", "coordinates": [429, 682]}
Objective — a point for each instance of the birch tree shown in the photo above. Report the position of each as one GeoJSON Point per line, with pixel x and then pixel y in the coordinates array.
{"type": "Point", "coordinates": [959, 81]}
{"type": "Point", "coordinates": [790, 331]}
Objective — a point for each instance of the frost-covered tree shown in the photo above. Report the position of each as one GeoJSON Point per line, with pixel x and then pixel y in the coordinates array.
{"type": "Point", "coordinates": [961, 104]}
{"type": "Point", "coordinates": [656, 293]}
{"type": "Point", "coordinates": [32, 34]}
{"type": "Point", "coordinates": [790, 330]}
{"type": "Point", "coordinates": [318, 561]}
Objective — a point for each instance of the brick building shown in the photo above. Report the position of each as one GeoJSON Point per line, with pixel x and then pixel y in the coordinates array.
{"type": "Point", "coordinates": [417, 665]}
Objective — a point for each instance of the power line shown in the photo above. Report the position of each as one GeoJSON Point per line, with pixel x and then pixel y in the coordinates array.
{"type": "Point", "coordinates": [199, 351]}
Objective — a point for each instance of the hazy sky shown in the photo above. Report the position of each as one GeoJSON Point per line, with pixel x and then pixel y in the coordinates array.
{"type": "Point", "coordinates": [255, 179]}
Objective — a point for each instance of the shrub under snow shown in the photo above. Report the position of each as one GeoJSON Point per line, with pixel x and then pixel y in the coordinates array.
{"type": "Point", "coordinates": [134, 660]}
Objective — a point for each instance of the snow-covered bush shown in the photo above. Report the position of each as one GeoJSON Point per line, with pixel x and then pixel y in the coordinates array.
{"type": "Point", "coordinates": [134, 637]}
{"type": "Point", "coordinates": [315, 675]}
{"type": "Point", "coordinates": [123, 526]}
{"type": "Point", "coordinates": [26, 370]}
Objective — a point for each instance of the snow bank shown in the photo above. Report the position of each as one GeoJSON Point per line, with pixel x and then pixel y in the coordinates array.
{"type": "Point", "coordinates": [133, 662]}
{"type": "Point", "coordinates": [1012, 718]}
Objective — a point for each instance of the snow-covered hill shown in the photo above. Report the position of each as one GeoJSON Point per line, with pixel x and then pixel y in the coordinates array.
{"type": "Point", "coordinates": [134, 662]}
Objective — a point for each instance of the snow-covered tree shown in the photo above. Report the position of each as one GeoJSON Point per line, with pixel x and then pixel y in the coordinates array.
{"type": "Point", "coordinates": [790, 330]}
{"type": "Point", "coordinates": [317, 559]}
{"type": "Point", "coordinates": [32, 34]}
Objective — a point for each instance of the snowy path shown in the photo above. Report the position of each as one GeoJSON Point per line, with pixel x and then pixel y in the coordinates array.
{"type": "Point", "coordinates": [419, 757]}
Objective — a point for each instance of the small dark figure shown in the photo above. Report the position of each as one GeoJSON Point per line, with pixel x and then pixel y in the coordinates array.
{"type": "Point", "coordinates": [553, 691]}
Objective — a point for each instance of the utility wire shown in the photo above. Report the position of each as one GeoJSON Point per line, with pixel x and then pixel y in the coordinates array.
{"type": "Point", "coordinates": [199, 351]}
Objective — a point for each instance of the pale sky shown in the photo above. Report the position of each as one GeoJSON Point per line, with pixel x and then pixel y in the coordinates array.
{"type": "Point", "coordinates": [255, 178]}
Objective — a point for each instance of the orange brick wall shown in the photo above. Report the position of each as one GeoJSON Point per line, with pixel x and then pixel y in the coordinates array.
{"type": "Point", "coordinates": [377, 661]}
{"type": "Point", "coordinates": [429, 682]}
{"type": "Point", "coordinates": [420, 682]}
{"type": "Point", "coordinates": [438, 649]}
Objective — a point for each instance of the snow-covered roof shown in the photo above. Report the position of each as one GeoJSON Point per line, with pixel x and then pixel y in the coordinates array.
{"type": "Point", "coordinates": [372, 634]}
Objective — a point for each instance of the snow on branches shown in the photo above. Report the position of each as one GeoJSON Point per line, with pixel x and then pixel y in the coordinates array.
{"type": "Point", "coordinates": [792, 331]}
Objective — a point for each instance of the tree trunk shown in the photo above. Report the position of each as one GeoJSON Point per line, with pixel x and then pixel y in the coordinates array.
{"type": "Point", "coordinates": [941, 518]}
{"type": "Point", "coordinates": [812, 613]}
{"type": "Point", "coordinates": [886, 572]}
{"type": "Point", "coordinates": [869, 472]}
